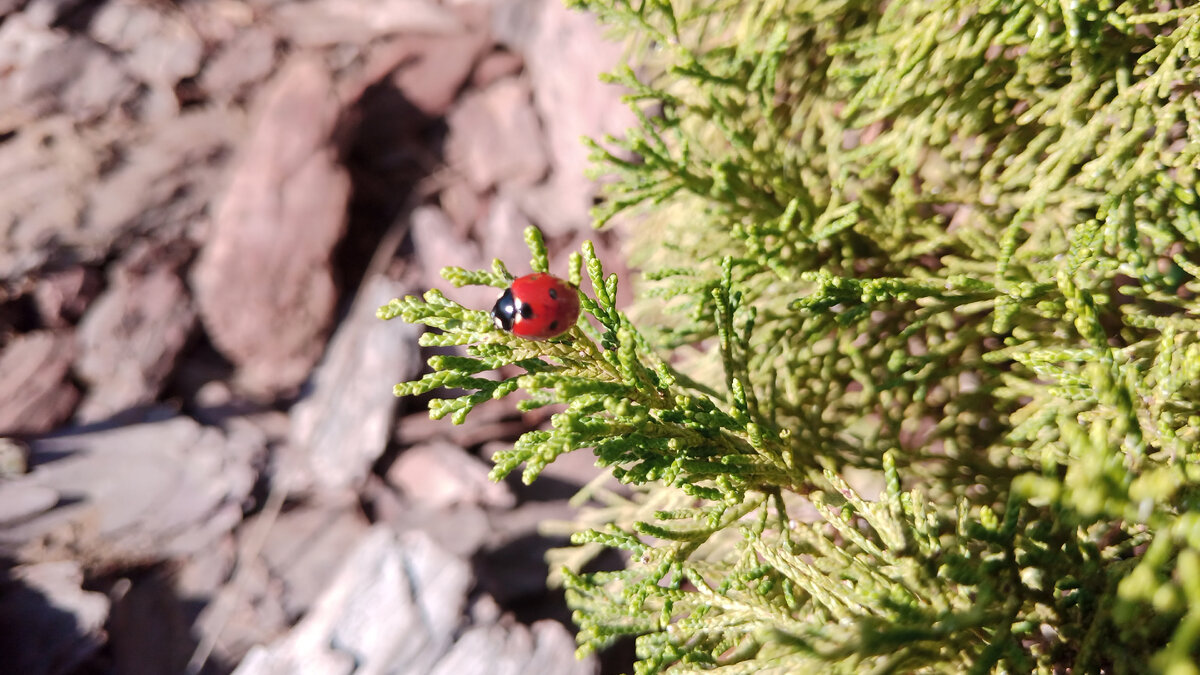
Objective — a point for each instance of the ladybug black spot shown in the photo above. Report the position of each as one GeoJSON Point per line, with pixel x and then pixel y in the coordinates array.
{"type": "Point", "coordinates": [526, 310]}
{"type": "Point", "coordinates": [553, 296]}
{"type": "Point", "coordinates": [554, 325]}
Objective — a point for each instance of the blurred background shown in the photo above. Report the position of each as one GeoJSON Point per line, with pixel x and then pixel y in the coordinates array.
{"type": "Point", "coordinates": [202, 466]}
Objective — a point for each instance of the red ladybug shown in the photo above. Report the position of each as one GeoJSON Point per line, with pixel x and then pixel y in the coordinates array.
{"type": "Point", "coordinates": [537, 306]}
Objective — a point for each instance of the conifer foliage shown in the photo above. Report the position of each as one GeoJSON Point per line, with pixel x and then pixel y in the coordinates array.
{"type": "Point", "coordinates": [947, 252]}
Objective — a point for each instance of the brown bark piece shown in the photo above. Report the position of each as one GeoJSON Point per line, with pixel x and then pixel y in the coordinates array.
{"type": "Point", "coordinates": [263, 282]}
{"type": "Point", "coordinates": [437, 245]}
{"type": "Point", "coordinates": [164, 182]}
{"type": "Point", "coordinates": [439, 475]}
{"type": "Point", "coordinates": [160, 184]}
{"type": "Point", "coordinates": [565, 56]}
{"type": "Point", "coordinates": [496, 65]}
{"type": "Point", "coordinates": [495, 136]}
{"type": "Point", "coordinates": [460, 530]}
{"type": "Point", "coordinates": [245, 60]}
{"type": "Point", "coordinates": [440, 65]}
{"type": "Point", "coordinates": [44, 172]}
{"type": "Point", "coordinates": [48, 71]}
{"type": "Point", "coordinates": [502, 231]}
{"type": "Point", "coordinates": [129, 341]}
{"type": "Point", "coordinates": [35, 394]}
{"type": "Point", "coordinates": [61, 297]}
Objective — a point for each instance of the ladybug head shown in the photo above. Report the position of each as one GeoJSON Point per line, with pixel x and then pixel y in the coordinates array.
{"type": "Point", "coordinates": [505, 311]}
{"type": "Point", "coordinates": [509, 310]}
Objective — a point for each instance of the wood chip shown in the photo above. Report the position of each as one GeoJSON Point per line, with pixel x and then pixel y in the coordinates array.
{"type": "Point", "coordinates": [437, 69]}
{"type": "Point", "coordinates": [495, 136]}
{"type": "Point", "coordinates": [263, 282]}
{"type": "Point", "coordinates": [306, 545]}
{"type": "Point", "coordinates": [544, 647]}
{"type": "Point", "coordinates": [129, 341]}
{"type": "Point", "coordinates": [345, 422]}
{"type": "Point", "coordinates": [19, 501]}
{"type": "Point", "coordinates": [160, 45]}
{"type": "Point", "coordinates": [394, 607]}
{"type": "Point", "coordinates": [439, 474]}
{"type": "Point", "coordinates": [139, 493]}
{"type": "Point", "coordinates": [323, 23]}
{"type": "Point", "coordinates": [564, 57]}
{"type": "Point", "coordinates": [35, 393]}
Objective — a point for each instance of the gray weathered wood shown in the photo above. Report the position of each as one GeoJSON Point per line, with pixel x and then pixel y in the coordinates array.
{"type": "Point", "coordinates": [393, 608]}
{"type": "Point", "coordinates": [345, 422]}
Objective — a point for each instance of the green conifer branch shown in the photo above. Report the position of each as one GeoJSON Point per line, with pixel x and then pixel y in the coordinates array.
{"type": "Point", "coordinates": [953, 245]}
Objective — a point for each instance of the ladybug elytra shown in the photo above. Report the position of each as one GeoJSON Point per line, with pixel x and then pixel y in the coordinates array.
{"type": "Point", "coordinates": [537, 307]}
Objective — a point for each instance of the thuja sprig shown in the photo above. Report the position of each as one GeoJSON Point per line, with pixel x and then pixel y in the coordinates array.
{"type": "Point", "coordinates": [848, 591]}
{"type": "Point", "coordinates": [619, 399]}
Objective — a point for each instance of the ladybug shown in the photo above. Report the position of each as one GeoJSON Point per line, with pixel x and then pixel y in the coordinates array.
{"type": "Point", "coordinates": [537, 307]}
